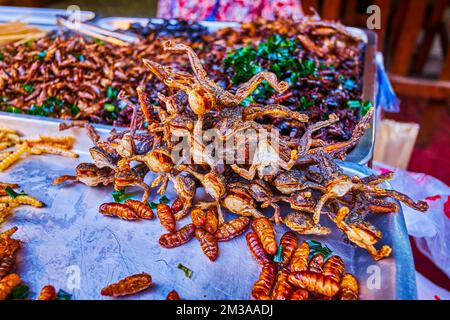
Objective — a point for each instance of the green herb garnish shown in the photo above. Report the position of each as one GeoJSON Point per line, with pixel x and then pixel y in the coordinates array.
{"type": "Point", "coordinates": [367, 105]}
{"type": "Point", "coordinates": [305, 104]}
{"type": "Point", "coordinates": [187, 272]}
{"type": "Point", "coordinates": [99, 41]}
{"type": "Point", "coordinates": [12, 109]}
{"type": "Point", "coordinates": [164, 199]}
{"type": "Point", "coordinates": [63, 295]}
{"type": "Point", "coordinates": [278, 258]}
{"type": "Point", "coordinates": [11, 192]}
{"type": "Point", "coordinates": [20, 292]}
{"type": "Point", "coordinates": [47, 108]}
{"type": "Point", "coordinates": [2, 56]}
{"type": "Point", "coordinates": [316, 247]}
{"type": "Point", "coordinates": [74, 110]}
{"type": "Point", "coordinates": [153, 205]}
{"type": "Point", "coordinates": [109, 107]}
{"type": "Point", "coordinates": [354, 104]}
{"type": "Point", "coordinates": [121, 196]}
{"type": "Point", "coordinates": [42, 54]}
{"type": "Point", "coordinates": [81, 58]}
{"type": "Point", "coordinates": [28, 88]}
{"type": "Point", "coordinates": [111, 93]}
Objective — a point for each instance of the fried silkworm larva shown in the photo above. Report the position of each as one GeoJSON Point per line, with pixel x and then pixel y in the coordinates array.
{"type": "Point", "coordinates": [208, 243]}
{"type": "Point", "coordinates": [128, 286]}
{"type": "Point", "coordinates": [232, 229]}
{"type": "Point", "coordinates": [177, 205]}
{"type": "Point", "coordinates": [289, 243]}
{"type": "Point", "coordinates": [118, 210]}
{"type": "Point", "coordinates": [334, 268]}
{"type": "Point", "coordinates": [7, 130]}
{"type": "Point", "coordinates": [177, 238]}
{"type": "Point", "coordinates": [266, 233]}
{"type": "Point", "coordinates": [211, 220]}
{"type": "Point", "coordinates": [7, 284]}
{"type": "Point", "coordinates": [256, 249]}
{"type": "Point", "coordinates": [315, 283]}
{"type": "Point", "coordinates": [166, 217]}
{"type": "Point", "coordinates": [40, 149]}
{"type": "Point", "coordinates": [300, 294]}
{"type": "Point", "coordinates": [65, 140]}
{"type": "Point", "coordinates": [282, 289]}
{"type": "Point", "coordinates": [142, 210]}
{"type": "Point", "coordinates": [5, 155]}
{"type": "Point", "coordinates": [173, 295]}
{"type": "Point", "coordinates": [5, 145]}
{"type": "Point", "coordinates": [316, 263]}
{"type": "Point", "coordinates": [22, 200]}
{"type": "Point", "coordinates": [198, 217]}
{"type": "Point", "coordinates": [299, 260]}
{"type": "Point", "coordinates": [349, 288]}
{"type": "Point", "coordinates": [6, 266]}
{"type": "Point", "coordinates": [262, 288]}
{"type": "Point", "coordinates": [13, 157]}
{"type": "Point", "coordinates": [47, 293]}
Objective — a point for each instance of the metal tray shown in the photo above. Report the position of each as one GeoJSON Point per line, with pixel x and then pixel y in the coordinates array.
{"type": "Point", "coordinates": [41, 17]}
{"type": "Point", "coordinates": [70, 245]}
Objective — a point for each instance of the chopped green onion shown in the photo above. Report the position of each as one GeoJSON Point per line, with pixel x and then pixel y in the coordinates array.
{"type": "Point", "coordinates": [12, 109]}
{"type": "Point", "coordinates": [2, 56]}
{"type": "Point", "coordinates": [316, 247]}
{"type": "Point", "coordinates": [354, 104]}
{"type": "Point", "coordinates": [164, 199]}
{"type": "Point", "coordinates": [74, 110]}
{"type": "Point", "coordinates": [99, 41]}
{"type": "Point", "coordinates": [81, 58]}
{"type": "Point", "coordinates": [278, 258]}
{"type": "Point", "coordinates": [20, 292]}
{"type": "Point", "coordinates": [121, 196]}
{"type": "Point", "coordinates": [109, 107]}
{"type": "Point", "coordinates": [367, 105]}
{"type": "Point", "coordinates": [153, 205]}
{"type": "Point", "coordinates": [63, 295]}
{"type": "Point", "coordinates": [11, 192]}
{"type": "Point", "coordinates": [42, 54]}
{"type": "Point", "coordinates": [187, 272]}
{"type": "Point", "coordinates": [28, 88]}
{"type": "Point", "coordinates": [111, 93]}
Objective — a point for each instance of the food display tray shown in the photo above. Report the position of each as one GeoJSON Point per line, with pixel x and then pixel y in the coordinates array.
{"type": "Point", "coordinates": [70, 245]}
{"type": "Point", "coordinates": [42, 17]}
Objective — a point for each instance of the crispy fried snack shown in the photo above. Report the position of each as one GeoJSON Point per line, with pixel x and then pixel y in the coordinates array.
{"type": "Point", "coordinates": [142, 210]}
{"type": "Point", "coordinates": [282, 289]}
{"type": "Point", "coordinates": [56, 150]}
{"type": "Point", "coordinates": [118, 210]}
{"type": "Point", "coordinates": [47, 293]}
{"type": "Point", "coordinates": [208, 243]}
{"type": "Point", "coordinates": [289, 243]}
{"type": "Point", "coordinates": [256, 249]}
{"type": "Point", "coordinates": [177, 205]}
{"type": "Point", "coordinates": [173, 295]}
{"type": "Point", "coordinates": [211, 220]}
{"type": "Point", "coordinates": [166, 217]}
{"type": "Point", "coordinates": [13, 157]}
{"type": "Point", "coordinates": [6, 266]}
{"type": "Point", "coordinates": [128, 286]}
{"type": "Point", "coordinates": [349, 288]}
{"type": "Point", "coordinates": [262, 288]}
{"type": "Point", "coordinates": [177, 238]}
{"type": "Point", "coordinates": [334, 268]}
{"type": "Point", "coordinates": [232, 229]}
{"type": "Point", "coordinates": [7, 284]}
{"type": "Point", "coordinates": [198, 217]}
{"type": "Point", "coordinates": [315, 283]}
{"type": "Point", "coordinates": [316, 263]}
{"type": "Point", "coordinates": [300, 294]}
{"type": "Point", "coordinates": [22, 200]}
{"type": "Point", "coordinates": [266, 233]}
{"type": "Point", "coordinates": [8, 245]}
{"type": "Point", "coordinates": [299, 261]}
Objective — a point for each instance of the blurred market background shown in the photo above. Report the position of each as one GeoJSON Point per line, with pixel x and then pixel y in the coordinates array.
{"type": "Point", "coordinates": [414, 40]}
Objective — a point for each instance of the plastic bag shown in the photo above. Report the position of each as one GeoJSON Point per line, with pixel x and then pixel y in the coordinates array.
{"type": "Point", "coordinates": [386, 98]}
{"type": "Point", "coordinates": [431, 230]}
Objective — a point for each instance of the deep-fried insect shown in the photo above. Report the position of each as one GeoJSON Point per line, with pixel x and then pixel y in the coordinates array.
{"type": "Point", "coordinates": [7, 284]}
{"type": "Point", "coordinates": [300, 294]}
{"type": "Point", "coordinates": [289, 243]}
{"type": "Point", "coordinates": [349, 288]}
{"type": "Point", "coordinates": [177, 238]}
{"type": "Point", "coordinates": [173, 295]}
{"type": "Point", "coordinates": [6, 266]}
{"type": "Point", "coordinates": [256, 249]}
{"type": "Point", "coordinates": [8, 245]}
{"type": "Point", "coordinates": [211, 220]}
{"type": "Point", "coordinates": [208, 243]}
{"type": "Point", "coordinates": [316, 263]}
{"type": "Point", "coordinates": [198, 217]}
{"type": "Point", "coordinates": [177, 205]}
{"type": "Point", "coordinates": [232, 229]}
{"type": "Point", "coordinates": [166, 217]}
{"type": "Point", "coordinates": [266, 233]}
{"type": "Point", "coordinates": [262, 288]}
{"type": "Point", "coordinates": [128, 286]}
{"type": "Point", "coordinates": [315, 283]}
{"type": "Point", "coordinates": [300, 258]}
{"type": "Point", "coordinates": [47, 293]}
{"type": "Point", "coordinates": [334, 268]}
{"type": "Point", "coordinates": [282, 289]}
{"type": "Point", "coordinates": [142, 210]}
{"type": "Point", "coordinates": [118, 210]}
